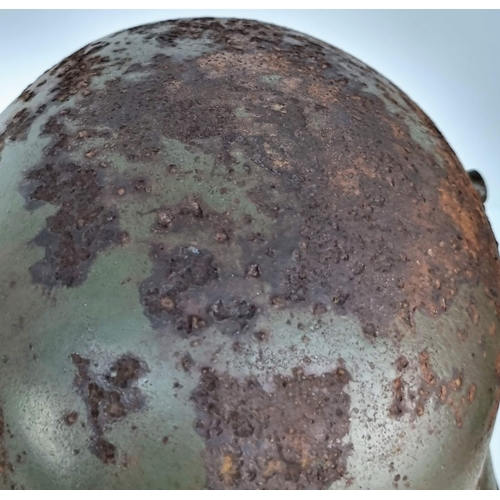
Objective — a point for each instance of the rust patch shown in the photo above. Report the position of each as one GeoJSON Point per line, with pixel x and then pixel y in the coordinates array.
{"type": "Point", "coordinates": [445, 391]}
{"type": "Point", "coordinates": [76, 71]}
{"type": "Point", "coordinates": [78, 231]}
{"type": "Point", "coordinates": [174, 276]}
{"type": "Point", "coordinates": [428, 374]}
{"type": "Point", "coordinates": [374, 235]}
{"type": "Point", "coordinates": [238, 310]}
{"type": "Point", "coordinates": [401, 363]}
{"type": "Point", "coordinates": [253, 271]}
{"type": "Point", "coordinates": [398, 406]}
{"type": "Point", "coordinates": [84, 224]}
{"type": "Point", "coordinates": [450, 392]}
{"type": "Point", "coordinates": [27, 95]}
{"type": "Point", "coordinates": [108, 397]}
{"type": "Point", "coordinates": [471, 392]}
{"type": "Point", "coordinates": [70, 418]}
{"type": "Point", "coordinates": [454, 207]}
{"type": "Point", "coordinates": [188, 215]}
{"type": "Point", "coordinates": [216, 64]}
{"type": "Point", "coordinates": [18, 127]}
{"type": "Point", "coordinates": [5, 466]}
{"type": "Point", "coordinates": [429, 383]}
{"type": "Point", "coordinates": [290, 438]}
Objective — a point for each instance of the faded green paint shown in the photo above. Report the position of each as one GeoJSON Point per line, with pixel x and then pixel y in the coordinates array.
{"type": "Point", "coordinates": [240, 112]}
{"type": "Point", "coordinates": [271, 79]}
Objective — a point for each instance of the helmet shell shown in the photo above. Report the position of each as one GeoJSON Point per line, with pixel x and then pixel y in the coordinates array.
{"type": "Point", "coordinates": [234, 256]}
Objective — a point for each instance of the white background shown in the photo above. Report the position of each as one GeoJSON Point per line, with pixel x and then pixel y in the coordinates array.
{"type": "Point", "coordinates": [446, 61]}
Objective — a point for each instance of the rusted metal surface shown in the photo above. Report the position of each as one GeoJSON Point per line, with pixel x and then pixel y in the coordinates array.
{"type": "Point", "coordinates": [343, 218]}
{"type": "Point", "coordinates": [5, 465]}
{"type": "Point", "coordinates": [277, 221]}
{"type": "Point", "coordinates": [107, 400]}
{"type": "Point", "coordinates": [294, 435]}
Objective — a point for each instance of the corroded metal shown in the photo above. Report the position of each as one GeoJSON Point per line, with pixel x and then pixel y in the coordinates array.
{"type": "Point", "coordinates": [233, 256]}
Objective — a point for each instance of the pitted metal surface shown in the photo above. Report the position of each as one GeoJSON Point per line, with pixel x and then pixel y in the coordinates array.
{"type": "Point", "coordinates": [251, 213]}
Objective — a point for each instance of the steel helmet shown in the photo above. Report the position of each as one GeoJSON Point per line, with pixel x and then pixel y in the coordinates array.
{"type": "Point", "coordinates": [234, 256]}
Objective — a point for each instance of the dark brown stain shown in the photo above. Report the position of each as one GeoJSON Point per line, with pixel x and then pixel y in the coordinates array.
{"type": "Point", "coordinates": [398, 406]}
{"type": "Point", "coordinates": [238, 310]}
{"type": "Point", "coordinates": [187, 362]}
{"type": "Point", "coordinates": [5, 466]}
{"type": "Point", "coordinates": [262, 335]}
{"type": "Point", "coordinates": [445, 391]}
{"type": "Point", "coordinates": [401, 363]}
{"type": "Point", "coordinates": [125, 371]}
{"type": "Point", "coordinates": [427, 373]}
{"type": "Point", "coordinates": [290, 438]}
{"type": "Point", "coordinates": [70, 418]}
{"type": "Point", "coordinates": [253, 271]}
{"type": "Point", "coordinates": [108, 398]}
{"type": "Point", "coordinates": [27, 95]}
{"type": "Point", "coordinates": [18, 127]}
{"type": "Point", "coordinates": [76, 71]}
{"type": "Point", "coordinates": [78, 231]}
{"type": "Point", "coordinates": [174, 276]}
{"type": "Point", "coordinates": [190, 215]}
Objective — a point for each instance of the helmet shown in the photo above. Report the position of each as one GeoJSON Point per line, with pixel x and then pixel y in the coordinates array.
{"type": "Point", "coordinates": [234, 256]}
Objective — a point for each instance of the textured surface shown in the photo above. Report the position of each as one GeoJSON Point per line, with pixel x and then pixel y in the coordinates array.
{"type": "Point", "coordinates": [237, 257]}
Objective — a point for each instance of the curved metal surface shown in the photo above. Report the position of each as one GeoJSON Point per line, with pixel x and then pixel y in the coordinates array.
{"type": "Point", "coordinates": [234, 256]}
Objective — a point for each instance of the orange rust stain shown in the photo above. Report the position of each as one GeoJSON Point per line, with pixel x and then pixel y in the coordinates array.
{"type": "Point", "coordinates": [463, 220]}
{"type": "Point", "coordinates": [290, 84]}
{"type": "Point", "coordinates": [345, 180]}
{"type": "Point", "coordinates": [471, 393]}
{"type": "Point", "coordinates": [299, 444]}
{"type": "Point", "coordinates": [456, 384]}
{"type": "Point", "coordinates": [421, 283]}
{"type": "Point", "coordinates": [279, 161]}
{"type": "Point", "coordinates": [396, 130]}
{"type": "Point", "coordinates": [493, 329]}
{"type": "Point", "coordinates": [321, 93]}
{"type": "Point", "coordinates": [221, 63]}
{"type": "Point", "coordinates": [365, 167]}
{"type": "Point", "coordinates": [427, 373]}
{"type": "Point", "coordinates": [273, 467]}
{"type": "Point", "coordinates": [172, 86]}
{"type": "Point", "coordinates": [228, 469]}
